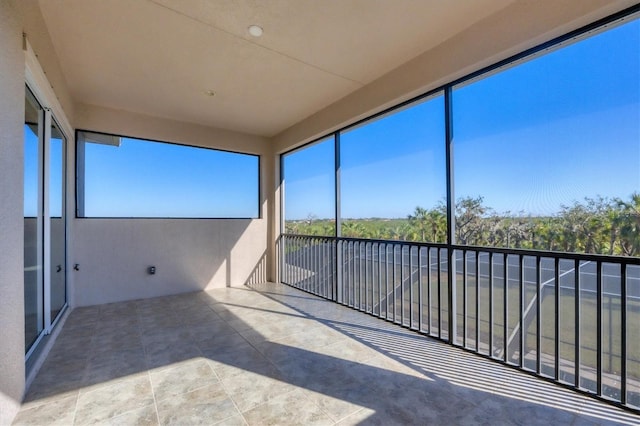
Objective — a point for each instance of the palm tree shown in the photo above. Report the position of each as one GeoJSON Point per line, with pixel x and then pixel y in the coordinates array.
{"type": "Point", "coordinates": [420, 221]}
{"type": "Point", "coordinates": [629, 225]}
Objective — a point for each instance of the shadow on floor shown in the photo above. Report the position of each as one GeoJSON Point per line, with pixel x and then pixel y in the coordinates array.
{"type": "Point", "coordinates": [277, 355]}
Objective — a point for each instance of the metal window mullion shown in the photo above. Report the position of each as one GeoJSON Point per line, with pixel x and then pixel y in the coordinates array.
{"type": "Point", "coordinates": [393, 281]}
{"type": "Point", "coordinates": [339, 257]}
{"type": "Point", "coordinates": [47, 219]}
{"type": "Point", "coordinates": [451, 269]}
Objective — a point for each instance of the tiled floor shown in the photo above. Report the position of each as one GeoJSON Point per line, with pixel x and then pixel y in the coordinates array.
{"type": "Point", "coordinates": [274, 355]}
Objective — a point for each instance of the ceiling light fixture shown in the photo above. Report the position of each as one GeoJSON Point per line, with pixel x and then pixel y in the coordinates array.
{"type": "Point", "coordinates": [255, 30]}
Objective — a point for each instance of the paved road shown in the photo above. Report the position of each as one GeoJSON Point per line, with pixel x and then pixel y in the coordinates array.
{"type": "Point", "coordinates": [588, 275]}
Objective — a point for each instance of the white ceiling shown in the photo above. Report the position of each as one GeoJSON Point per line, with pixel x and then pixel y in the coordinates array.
{"type": "Point", "coordinates": [158, 57]}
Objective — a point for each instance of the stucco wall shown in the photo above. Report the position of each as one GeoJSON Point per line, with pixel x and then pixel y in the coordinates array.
{"type": "Point", "coordinates": [189, 254]}
{"type": "Point", "coordinates": [11, 219]}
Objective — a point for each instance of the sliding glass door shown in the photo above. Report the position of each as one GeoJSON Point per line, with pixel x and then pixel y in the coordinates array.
{"type": "Point", "coordinates": [44, 221]}
{"type": "Point", "coordinates": [33, 222]}
{"type": "Point", "coordinates": [57, 228]}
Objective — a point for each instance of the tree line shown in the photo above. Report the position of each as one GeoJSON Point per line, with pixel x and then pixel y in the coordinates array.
{"type": "Point", "coordinates": [597, 225]}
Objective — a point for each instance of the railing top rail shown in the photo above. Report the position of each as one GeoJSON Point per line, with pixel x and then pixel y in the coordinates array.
{"type": "Point", "coordinates": [629, 260]}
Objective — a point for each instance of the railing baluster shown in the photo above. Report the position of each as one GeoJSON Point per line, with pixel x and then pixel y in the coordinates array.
{"type": "Point", "coordinates": [623, 332]}
{"type": "Point", "coordinates": [393, 248]}
{"type": "Point", "coordinates": [558, 318]}
{"type": "Point", "coordinates": [386, 279]}
{"type": "Point", "coordinates": [411, 287]}
{"type": "Point", "coordinates": [538, 310]}
{"type": "Point", "coordinates": [439, 295]}
{"type": "Point", "coordinates": [523, 295]}
{"type": "Point", "coordinates": [505, 307]}
{"type": "Point", "coordinates": [477, 272]}
{"type": "Point", "coordinates": [420, 294]}
{"type": "Point", "coordinates": [402, 281]}
{"type": "Point", "coordinates": [599, 330]}
{"type": "Point", "coordinates": [380, 245]}
{"type": "Point", "coordinates": [464, 297]}
{"type": "Point", "coordinates": [491, 304]}
{"type": "Point", "coordinates": [576, 285]}
{"type": "Point", "coordinates": [367, 280]}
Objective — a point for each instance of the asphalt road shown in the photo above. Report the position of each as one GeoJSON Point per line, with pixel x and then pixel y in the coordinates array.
{"type": "Point", "coordinates": [611, 274]}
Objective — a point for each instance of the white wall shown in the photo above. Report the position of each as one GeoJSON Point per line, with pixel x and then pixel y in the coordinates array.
{"type": "Point", "coordinates": [12, 373]}
{"type": "Point", "coordinates": [189, 254]}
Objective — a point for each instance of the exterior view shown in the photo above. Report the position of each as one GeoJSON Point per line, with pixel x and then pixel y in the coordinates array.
{"type": "Point", "coordinates": [319, 212]}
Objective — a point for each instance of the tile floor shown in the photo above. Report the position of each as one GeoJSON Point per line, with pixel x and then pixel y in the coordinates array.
{"type": "Point", "coordinates": [274, 355]}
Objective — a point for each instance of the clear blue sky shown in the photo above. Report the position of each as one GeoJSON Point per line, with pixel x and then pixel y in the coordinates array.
{"type": "Point", "coordinates": [31, 175]}
{"type": "Point", "coordinates": [539, 135]}
{"type": "Point", "coordinates": [145, 179]}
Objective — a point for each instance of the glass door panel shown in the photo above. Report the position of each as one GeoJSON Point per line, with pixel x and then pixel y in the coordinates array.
{"type": "Point", "coordinates": [56, 197]}
{"type": "Point", "coordinates": [33, 220]}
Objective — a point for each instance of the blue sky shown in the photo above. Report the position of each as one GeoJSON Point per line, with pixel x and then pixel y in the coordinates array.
{"type": "Point", "coordinates": [529, 139]}
{"type": "Point", "coordinates": [144, 179]}
{"type": "Point", "coordinates": [31, 175]}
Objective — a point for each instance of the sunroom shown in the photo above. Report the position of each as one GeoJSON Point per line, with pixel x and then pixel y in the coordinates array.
{"type": "Point", "coordinates": [342, 212]}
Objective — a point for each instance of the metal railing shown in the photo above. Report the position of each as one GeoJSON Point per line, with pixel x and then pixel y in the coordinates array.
{"type": "Point", "coordinates": [570, 318]}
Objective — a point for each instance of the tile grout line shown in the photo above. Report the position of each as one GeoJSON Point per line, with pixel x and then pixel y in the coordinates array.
{"type": "Point", "coordinates": [280, 370]}
{"type": "Point", "coordinates": [144, 354]}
